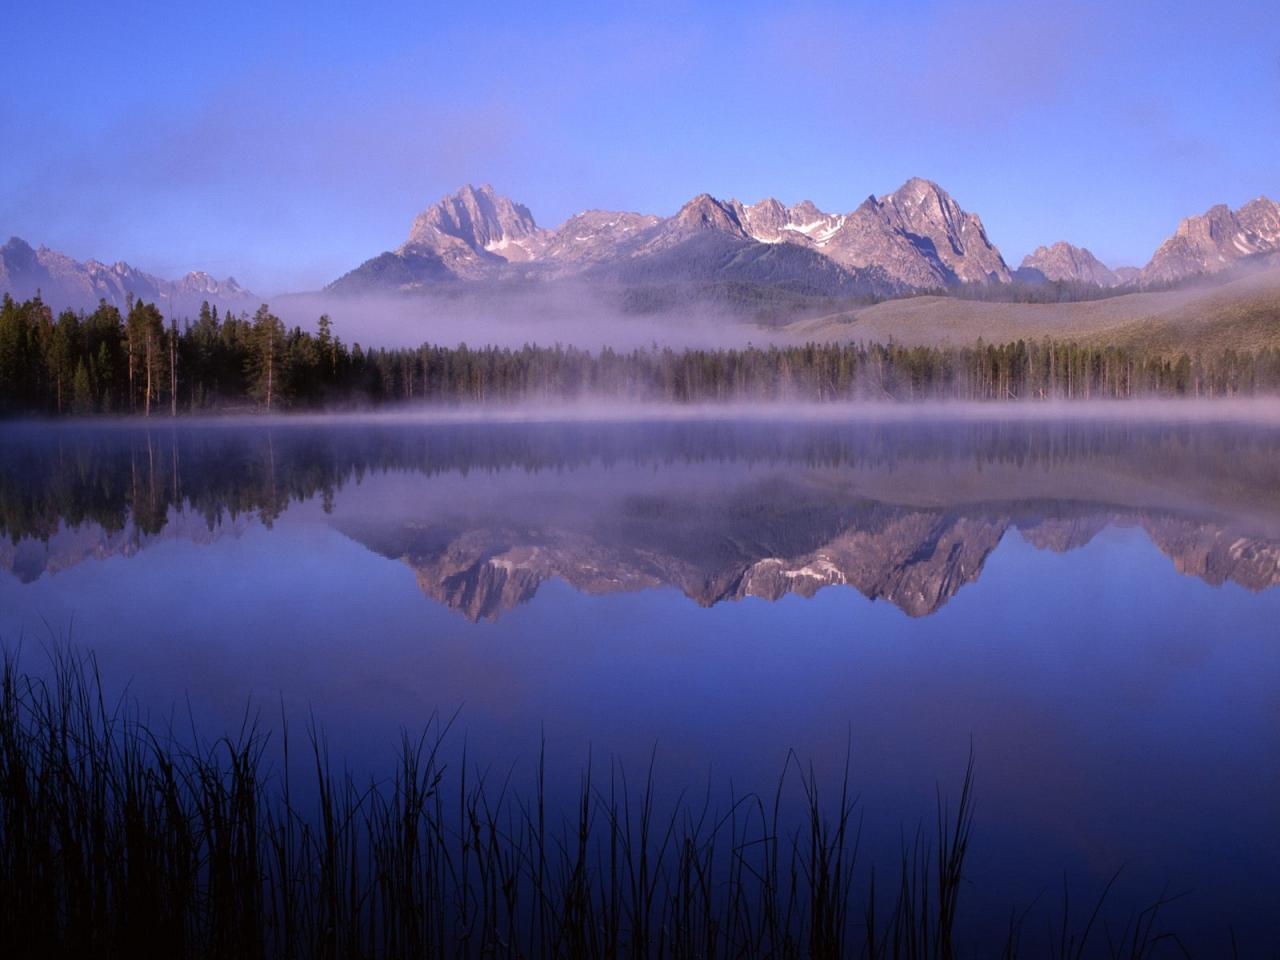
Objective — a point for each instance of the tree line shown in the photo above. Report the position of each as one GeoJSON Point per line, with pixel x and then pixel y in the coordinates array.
{"type": "Point", "coordinates": [145, 472]}
{"type": "Point", "coordinates": [138, 362]}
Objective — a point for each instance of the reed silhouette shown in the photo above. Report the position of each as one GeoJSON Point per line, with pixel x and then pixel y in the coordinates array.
{"type": "Point", "coordinates": [121, 840]}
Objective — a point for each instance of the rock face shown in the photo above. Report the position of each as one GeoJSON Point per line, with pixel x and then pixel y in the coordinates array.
{"type": "Point", "coordinates": [1065, 262]}
{"type": "Point", "coordinates": [1215, 241]}
{"type": "Point", "coordinates": [923, 213]}
{"type": "Point", "coordinates": [705, 212]}
{"type": "Point", "coordinates": [918, 236]}
{"type": "Point", "coordinates": [64, 282]}
{"type": "Point", "coordinates": [915, 238]}
{"type": "Point", "coordinates": [475, 228]}
{"type": "Point", "coordinates": [770, 222]}
{"type": "Point", "coordinates": [593, 235]}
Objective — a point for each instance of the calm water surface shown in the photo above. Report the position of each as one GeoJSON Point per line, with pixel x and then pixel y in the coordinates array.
{"type": "Point", "coordinates": [1092, 607]}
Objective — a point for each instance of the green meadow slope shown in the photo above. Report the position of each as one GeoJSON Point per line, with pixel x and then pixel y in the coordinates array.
{"type": "Point", "coordinates": [1243, 314]}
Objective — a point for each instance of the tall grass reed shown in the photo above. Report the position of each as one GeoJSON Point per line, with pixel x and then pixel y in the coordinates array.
{"type": "Point", "coordinates": [120, 840]}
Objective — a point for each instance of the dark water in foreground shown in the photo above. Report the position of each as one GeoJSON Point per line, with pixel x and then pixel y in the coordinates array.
{"type": "Point", "coordinates": [1091, 606]}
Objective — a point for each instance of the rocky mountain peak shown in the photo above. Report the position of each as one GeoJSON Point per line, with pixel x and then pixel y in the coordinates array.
{"type": "Point", "coordinates": [16, 257]}
{"type": "Point", "coordinates": [807, 210]}
{"type": "Point", "coordinates": [763, 221]}
{"type": "Point", "coordinates": [917, 192]}
{"type": "Point", "coordinates": [197, 281]}
{"type": "Point", "coordinates": [476, 223]}
{"type": "Point", "coordinates": [926, 210]}
{"type": "Point", "coordinates": [920, 237]}
{"type": "Point", "coordinates": [705, 212]}
{"type": "Point", "coordinates": [1215, 240]}
{"type": "Point", "coordinates": [1260, 218]}
{"type": "Point", "coordinates": [771, 207]}
{"type": "Point", "coordinates": [768, 221]}
{"type": "Point", "coordinates": [1212, 223]}
{"type": "Point", "coordinates": [1063, 261]}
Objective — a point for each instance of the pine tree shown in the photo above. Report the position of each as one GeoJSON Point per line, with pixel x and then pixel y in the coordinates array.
{"type": "Point", "coordinates": [266, 357]}
{"type": "Point", "coordinates": [173, 367]}
{"type": "Point", "coordinates": [82, 390]}
{"type": "Point", "coordinates": [144, 329]}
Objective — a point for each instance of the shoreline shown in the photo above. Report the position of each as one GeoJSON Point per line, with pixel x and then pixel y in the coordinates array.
{"type": "Point", "coordinates": [1264, 411]}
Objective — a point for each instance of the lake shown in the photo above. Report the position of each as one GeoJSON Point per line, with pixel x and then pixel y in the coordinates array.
{"type": "Point", "coordinates": [1088, 605]}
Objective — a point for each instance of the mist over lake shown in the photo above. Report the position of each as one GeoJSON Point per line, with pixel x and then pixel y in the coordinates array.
{"type": "Point", "coordinates": [1088, 604]}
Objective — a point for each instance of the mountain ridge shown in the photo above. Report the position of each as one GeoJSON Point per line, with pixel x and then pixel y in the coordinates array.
{"type": "Point", "coordinates": [912, 240]}
{"type": "Point", "coordinates": [1215, 240]}
{"type": "Point", "coordinates": [65, 282]}
{"type": "Point", "coordinates": [916, 239]}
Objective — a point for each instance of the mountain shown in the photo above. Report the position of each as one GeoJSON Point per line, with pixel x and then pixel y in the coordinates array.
{"type": "Point", "coordinates": [913, 239]}
{"type": "Point", "coordinates": [474, 229]}
{"type": "Point", "coordinates": [946, 242]}
{"type": "Point", "coordinates": [67, 283]}
{"type": "Point", "coordinates": [770, 222]}
{"type": "Point", "coordinates": [1065, 262]}
{"type": "Point", "coordinates": [593, 235]}
{"type": "Point", "coordinates": [1215, 241]}
{"type": "Point", "coordinates": [917, 236]}
{"type": "Point", "coordinates": [781, 263]}
{"type": "Point", "coordinates": [708, 245]}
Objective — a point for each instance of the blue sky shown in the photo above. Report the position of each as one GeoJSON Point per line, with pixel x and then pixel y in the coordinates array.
{"type": "Point", "coordinates": [286, 143]}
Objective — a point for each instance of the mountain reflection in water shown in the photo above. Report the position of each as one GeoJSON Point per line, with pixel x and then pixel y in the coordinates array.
{"type": "Point", "coordinates": [485, 514]}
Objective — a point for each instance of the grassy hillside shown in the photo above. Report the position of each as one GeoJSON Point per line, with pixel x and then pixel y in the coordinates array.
{"type": "Point", "coordinates": [1241, 314]}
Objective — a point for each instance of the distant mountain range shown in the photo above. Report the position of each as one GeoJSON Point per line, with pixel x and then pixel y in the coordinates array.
{"type": "Point", "coordinates": [1211, 243]}
{"type": "Point", "coordinates": [915, 238]}
{"type": "Point", "coordinates": [912, 240]}
{"type": "Point", "coordinates": [64, 282]}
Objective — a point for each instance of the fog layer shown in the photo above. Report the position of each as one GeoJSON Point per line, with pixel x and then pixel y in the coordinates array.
{"type": "Point", "coordinates": [588, 316]}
